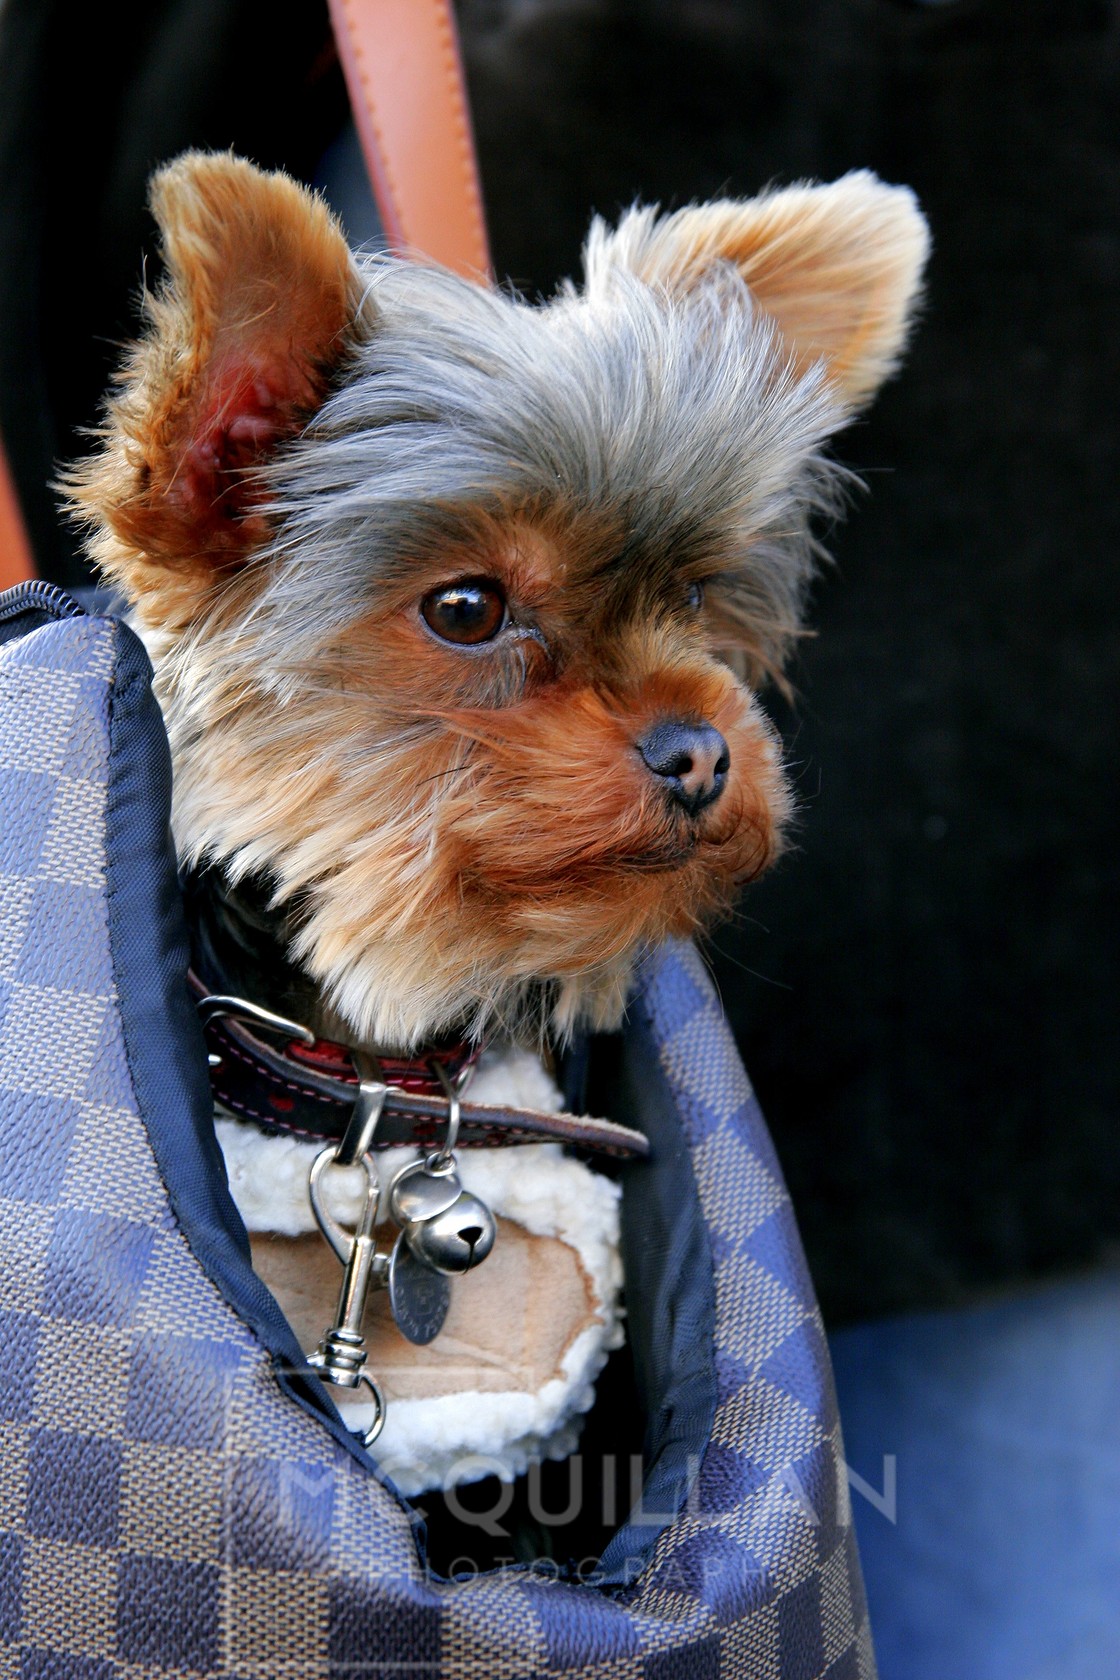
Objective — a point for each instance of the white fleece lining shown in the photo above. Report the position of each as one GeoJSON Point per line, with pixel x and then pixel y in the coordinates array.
{"type": "Point", "coordinates": [450, 1439]}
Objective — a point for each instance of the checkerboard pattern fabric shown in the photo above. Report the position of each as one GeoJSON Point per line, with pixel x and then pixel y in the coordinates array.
{"type": "Point", "coordinates": [165, 1509]}
{"type": "Point", "coordinates": [762, 1566]}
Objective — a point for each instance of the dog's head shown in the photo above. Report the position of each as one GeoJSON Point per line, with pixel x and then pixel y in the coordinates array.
{"type": "Point", "coordinates": [458, 605]}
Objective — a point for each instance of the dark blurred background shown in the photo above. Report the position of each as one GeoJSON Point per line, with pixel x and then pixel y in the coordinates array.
{"type": "Point", "coordinates": [926, 988]}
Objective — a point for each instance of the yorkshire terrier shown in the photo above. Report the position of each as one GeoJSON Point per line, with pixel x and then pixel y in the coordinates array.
{"type": "Point", "coordinates": [459, 606]}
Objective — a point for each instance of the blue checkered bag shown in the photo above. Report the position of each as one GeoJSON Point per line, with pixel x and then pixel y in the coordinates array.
{"type": "Point", "coordinates": [178, 1495]}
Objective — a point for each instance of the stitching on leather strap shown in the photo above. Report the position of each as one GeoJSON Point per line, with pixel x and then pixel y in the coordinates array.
{"type": "Point", "coordinates": [255, 1065]}
{"type": "Point", "coordinates": [457, 104]}
{"type": "Point", "coordinates": [430, 197]}
{"type": "Point", "coordinates": [394, 219]}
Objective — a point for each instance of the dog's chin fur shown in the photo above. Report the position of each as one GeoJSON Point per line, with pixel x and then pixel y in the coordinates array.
{"type": "Point", "coordinates": [306, 444]}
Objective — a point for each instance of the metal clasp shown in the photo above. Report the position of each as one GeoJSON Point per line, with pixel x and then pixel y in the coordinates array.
{"type": "Point", "coordinates": [216, 1007]}
{"type": "Point", "coordinates": [341, 1355]}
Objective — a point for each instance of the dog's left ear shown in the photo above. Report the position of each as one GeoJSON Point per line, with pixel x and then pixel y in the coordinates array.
{"type": "Point", "coordinates": [260, 297]}
{"type": "Point", "coordinates": [838, 267]}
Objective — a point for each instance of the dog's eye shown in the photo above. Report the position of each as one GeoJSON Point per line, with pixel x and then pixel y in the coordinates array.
{"type": "Point", "coordinates": [695, 596]}
{"type": "Point", "coordinates": [465, 613]}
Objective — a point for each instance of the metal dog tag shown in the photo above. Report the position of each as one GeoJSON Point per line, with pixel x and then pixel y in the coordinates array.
{"type": "Point", "coordinates": [418, 1296]}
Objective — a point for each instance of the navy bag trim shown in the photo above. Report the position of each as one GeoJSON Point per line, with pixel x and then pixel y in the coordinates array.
{"type": "Point", "coordinates": [30, 604]}
{"type": "Point", "coordinates": [163, 1040]}
{"type": "Point", "coordinates": [667, 1263]}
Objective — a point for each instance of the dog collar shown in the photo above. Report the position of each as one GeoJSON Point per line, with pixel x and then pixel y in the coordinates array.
{"type": "Point", "coordinates": [275, 1073]}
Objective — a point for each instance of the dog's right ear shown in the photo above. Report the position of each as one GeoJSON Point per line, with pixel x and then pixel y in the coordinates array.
{"type": "Point", "coordinates": [257, 309]}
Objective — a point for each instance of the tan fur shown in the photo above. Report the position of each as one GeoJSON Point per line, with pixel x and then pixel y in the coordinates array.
{"type": "Point", "coordinates": [459, 834]}
{"type": "Point", "coordinates": [260, 296]}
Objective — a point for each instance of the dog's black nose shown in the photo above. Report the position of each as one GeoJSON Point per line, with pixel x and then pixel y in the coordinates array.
{"type": "Point", "coordinates": [692, 758]}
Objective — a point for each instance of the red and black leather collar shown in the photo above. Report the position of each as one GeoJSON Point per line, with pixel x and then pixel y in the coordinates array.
{"type": "Point", "coordinates": [414, 1074]}
{"type": "Point", "coordinates": [302, 1086]}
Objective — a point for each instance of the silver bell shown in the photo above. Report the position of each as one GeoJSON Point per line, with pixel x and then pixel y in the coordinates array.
{"type": "Point", "coordinates": [455, 1240]}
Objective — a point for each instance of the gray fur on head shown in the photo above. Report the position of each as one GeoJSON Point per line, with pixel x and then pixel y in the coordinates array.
{"type": "Point", "coordinates": [678, 418]}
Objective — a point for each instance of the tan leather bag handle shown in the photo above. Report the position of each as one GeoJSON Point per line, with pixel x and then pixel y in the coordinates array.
{"type": "Point", "coordinates": [16, 563]}
{"type": "Point", "coordinates": [403, 70]}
